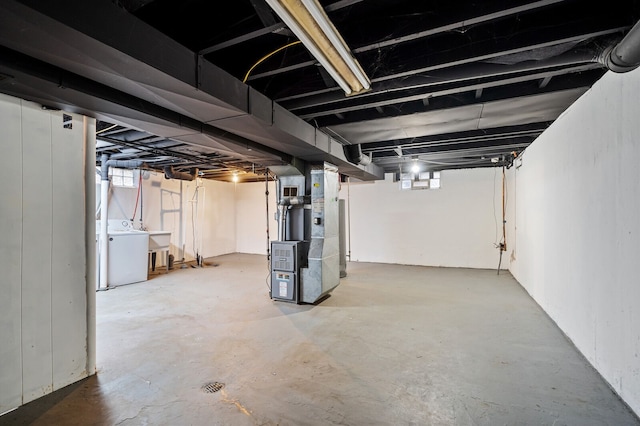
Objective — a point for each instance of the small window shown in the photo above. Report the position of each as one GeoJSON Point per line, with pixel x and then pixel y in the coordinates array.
{"type": "Point", "coordinates": [435, 180]}
{"type": "Point", "coordinates": [125, 178]}
{"type": "Point", "coordinates": [422, 180]}
{"type": "Point", "coordinates": [406, 184]}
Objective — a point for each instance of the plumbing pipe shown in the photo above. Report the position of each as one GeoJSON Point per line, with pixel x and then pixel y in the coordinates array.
{"type": "Point", "coordinates": [170, 173]}
{"type": "Point", "coordinates": [104, 214]}
{"type": "Point", "coordinates": [294, 201]}
{"type": "Point", "coordinates": [266, 196]}
{"type": "Point", "coordinates": [624, 56]}
{"type": "Point", "coordinates": [105, 163]}
{"type": "Point", "coordinates": [123, 164]}
{"type": "Point", "coordinates": [89, 128]}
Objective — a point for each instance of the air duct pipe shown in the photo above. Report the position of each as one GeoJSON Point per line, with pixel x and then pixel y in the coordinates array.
{"type": "Point", "coordinates": [170, 173]}
{"type": "Point", "coordinates": [354, 155]}
{"type": "Point", "coordinates": [624, 56]}
{"type": "Point", "coordinates": [282, 222]}
{"type": "Point", "coordinates": [284, 204]}
{"type": "Point", "coordinates": [105, 163]}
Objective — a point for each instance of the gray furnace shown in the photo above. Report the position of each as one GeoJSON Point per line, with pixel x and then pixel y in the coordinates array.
{"type": "Point", "coordinates": [305, 260]}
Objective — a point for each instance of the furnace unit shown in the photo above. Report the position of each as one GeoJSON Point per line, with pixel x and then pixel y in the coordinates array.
{"type": "Point", "coordinates": [286, 261]}
{"type": "Point", "coordinates": [305, 261]}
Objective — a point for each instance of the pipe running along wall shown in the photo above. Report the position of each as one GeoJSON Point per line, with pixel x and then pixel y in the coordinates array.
{"type": "Point", "coordinates": [105, 163]}
{"type": "Point", "coordinates": [170, 173]}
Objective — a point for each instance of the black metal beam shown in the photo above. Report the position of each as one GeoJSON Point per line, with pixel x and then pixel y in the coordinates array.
{"type": "Point", "coordinates": [71, 81]}
{"type": "Point", "coordinates": [502, 88]}
{"type": "Point", "coordinates": [527, 130]}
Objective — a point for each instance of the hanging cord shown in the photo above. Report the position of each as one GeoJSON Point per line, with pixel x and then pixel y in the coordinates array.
{"type": "Point", "coordinates": [349, 214]}
{"type": "Point", "coordinates": [266, 195]}
{"type": "Point", "coordinates": [135, 209]}
{"type": "Point", "coordinates": [194, 224]}
{"type": "Point", "coordinates": [141, 200]}
{"type": "Point", "coordinates": [268, 56]}
{"type": "Point", "coordinates": [503, 242]}
{"type": "Point", "coordinates": [503, 246]}
{"type": "Point", "coordinates": [495, 212]}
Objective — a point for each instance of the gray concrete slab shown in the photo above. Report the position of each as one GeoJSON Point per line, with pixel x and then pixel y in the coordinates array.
{"type": "Point", "coordinates": [392, 345]}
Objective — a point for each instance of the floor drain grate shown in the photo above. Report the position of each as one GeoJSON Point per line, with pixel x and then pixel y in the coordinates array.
{"type": "Point", "coordinates": [212, 387]}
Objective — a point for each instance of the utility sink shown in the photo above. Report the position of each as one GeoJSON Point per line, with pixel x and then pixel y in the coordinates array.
{"type": "Point", "coordinates": [159, 240]}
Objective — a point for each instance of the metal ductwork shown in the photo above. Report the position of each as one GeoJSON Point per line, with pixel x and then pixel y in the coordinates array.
{"type": "Point", "coordinates": [354, 155]}
{"type": "Point", "coordinates": [170, 173]}
{"type": "Point", "coordinates": [624, 56]}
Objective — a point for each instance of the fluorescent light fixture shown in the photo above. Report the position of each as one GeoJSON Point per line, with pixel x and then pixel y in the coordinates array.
{"type": "Point", "coordinates": [308, 21]}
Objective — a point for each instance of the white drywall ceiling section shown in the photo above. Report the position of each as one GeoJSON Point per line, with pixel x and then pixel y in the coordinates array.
{"type": "Point", "coordinates": [577, 233]}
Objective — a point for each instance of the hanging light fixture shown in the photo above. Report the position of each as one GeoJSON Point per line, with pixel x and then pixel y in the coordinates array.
{"type": "Point", "coordinates": [308, 21]}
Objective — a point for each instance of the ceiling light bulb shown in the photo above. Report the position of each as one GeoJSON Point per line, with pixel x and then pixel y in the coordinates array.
{"type": "Point", "coordinates": [235, 177]}
{"type": "Point", "coordinates": [415, 168]}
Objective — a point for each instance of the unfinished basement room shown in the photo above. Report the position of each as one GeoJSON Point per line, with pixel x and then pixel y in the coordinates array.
{"type": "Point", "coordinates": [320, 212]}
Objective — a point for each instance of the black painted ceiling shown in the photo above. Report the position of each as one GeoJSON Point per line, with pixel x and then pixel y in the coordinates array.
{"type": "Point", "coordinates": [455, 84]}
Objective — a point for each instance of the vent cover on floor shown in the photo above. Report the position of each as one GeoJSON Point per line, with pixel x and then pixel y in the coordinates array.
{"type": "Point", "coordinates": [212, 387]}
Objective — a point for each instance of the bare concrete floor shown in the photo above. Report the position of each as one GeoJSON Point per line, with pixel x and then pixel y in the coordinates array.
{"type": "Point", "coordinates": [393, 345]}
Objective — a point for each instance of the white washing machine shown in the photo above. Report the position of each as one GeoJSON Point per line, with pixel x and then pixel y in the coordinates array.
{"type": "Point", "coordinates": [128, 250]}
{"type": "Point", "coordinates": [127, 257]}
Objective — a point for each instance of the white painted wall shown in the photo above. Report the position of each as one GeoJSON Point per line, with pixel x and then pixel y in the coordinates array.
{"type": "Point", "coordinates": [457, 225]}
{"type": "Point", "coordinates": [577, 228]}
{"type": "Point", "coordinates": [251, 216]}
{"type": "Point", "coordinates": [43, 308]}
{"type": "Point", "coordinates": [200, 214]}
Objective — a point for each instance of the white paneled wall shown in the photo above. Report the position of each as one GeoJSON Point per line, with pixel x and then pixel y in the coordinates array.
{"type": "Point", "coordinates": [43, 308]}
{"type": "Point", "coordinates": [11, 255]}
{"type": "Point", "coordinates": [576, 247]}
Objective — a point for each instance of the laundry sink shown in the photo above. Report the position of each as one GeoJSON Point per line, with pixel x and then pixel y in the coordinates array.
{"type": "Point", "coordinates": [159, 240]}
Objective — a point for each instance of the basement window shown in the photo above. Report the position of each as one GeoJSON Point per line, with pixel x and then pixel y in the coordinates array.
{"type": "Point", "coordinates": [422, 180]}
{"type": "Point", "coordinates": [124, 178]}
